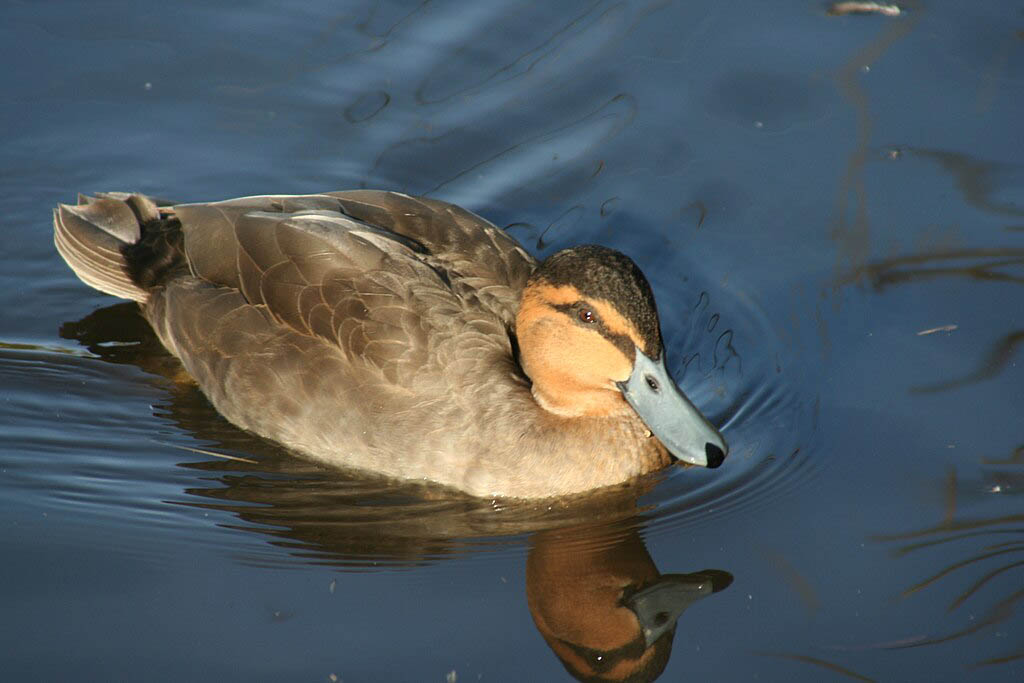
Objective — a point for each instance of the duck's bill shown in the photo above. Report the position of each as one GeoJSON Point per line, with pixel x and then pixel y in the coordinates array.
{"type": "Point", "coordinates": [658, 605]}
{"type": "Point", "coordinates": [671, 416]}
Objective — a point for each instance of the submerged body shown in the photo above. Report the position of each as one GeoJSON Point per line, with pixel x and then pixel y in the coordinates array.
{"type": "Point", "coordinates": [400, 335]}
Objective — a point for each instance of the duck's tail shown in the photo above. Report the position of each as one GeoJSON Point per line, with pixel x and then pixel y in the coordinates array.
{"type": "Point", "coordinates": [96, 236]}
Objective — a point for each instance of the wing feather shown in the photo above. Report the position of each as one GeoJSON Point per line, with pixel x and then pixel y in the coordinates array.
{"type": "Point", "coordinates": [386, 278]}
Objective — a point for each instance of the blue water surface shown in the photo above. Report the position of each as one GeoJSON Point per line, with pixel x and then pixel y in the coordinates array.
{"type": "Point", "coordinates": [830, 209]}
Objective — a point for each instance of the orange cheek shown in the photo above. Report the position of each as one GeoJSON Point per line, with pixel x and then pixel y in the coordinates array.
{"type": "Point", "coordinates": [559, 353]}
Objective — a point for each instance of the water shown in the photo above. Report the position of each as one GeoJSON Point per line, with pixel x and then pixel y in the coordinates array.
{"type": "Point", "coordinates": [830, 210]}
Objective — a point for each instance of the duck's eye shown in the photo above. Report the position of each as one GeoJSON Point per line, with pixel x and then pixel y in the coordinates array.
{"type": "Point", "coordinates": [586, 316]}
{"type": "Point", "coordinates": [652, 383]}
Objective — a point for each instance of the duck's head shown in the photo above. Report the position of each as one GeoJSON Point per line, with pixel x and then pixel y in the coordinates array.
{"type": "Point", "coordinates": [590, 341]}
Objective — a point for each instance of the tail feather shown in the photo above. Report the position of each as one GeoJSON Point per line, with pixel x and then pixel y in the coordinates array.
{"type": "Point", "coordinates": [91, 238]}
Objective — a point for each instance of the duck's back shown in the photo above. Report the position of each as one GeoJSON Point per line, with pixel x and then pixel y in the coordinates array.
{"type": "Point", "coordinates": [365, 328]}
{"type": "Point", "coordinates": [234, 243]}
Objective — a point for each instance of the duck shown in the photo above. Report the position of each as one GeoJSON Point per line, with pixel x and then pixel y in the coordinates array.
{"type": "Point", "coordinates": [403, 336]}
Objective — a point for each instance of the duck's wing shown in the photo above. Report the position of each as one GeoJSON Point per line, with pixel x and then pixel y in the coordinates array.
{"type": "Point", "coordinates": [348, 337]}
{"type": "Point", "coordinates": [463, 241]}
{"type": "Point", "coordinates": [386, 299]}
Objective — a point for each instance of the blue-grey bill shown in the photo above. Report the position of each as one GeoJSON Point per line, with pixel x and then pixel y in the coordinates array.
{"type": "Point", "coordinates": [658, 605]}
{"type": "Point", "coordinates": [670, 415]}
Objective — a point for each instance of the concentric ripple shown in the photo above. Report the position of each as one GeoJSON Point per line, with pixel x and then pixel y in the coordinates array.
{"type": "Point", "coordinates": [761, 392]}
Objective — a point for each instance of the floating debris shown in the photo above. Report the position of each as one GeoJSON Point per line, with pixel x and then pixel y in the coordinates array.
{"type": "Point", "coordinates": [841, 9]}
{"type": "Point", "coordinates": [941, 328]}
{"type": "Point", "coordinates": [215, 454]}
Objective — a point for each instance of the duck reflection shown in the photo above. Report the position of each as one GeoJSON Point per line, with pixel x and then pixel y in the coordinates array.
{"type": "Point", "coordinates": [594, 592]}
{"type": "Point", "coordinates": [603, 608]}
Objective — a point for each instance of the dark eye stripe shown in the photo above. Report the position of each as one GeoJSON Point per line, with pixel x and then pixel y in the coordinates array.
{"type": "Point", "coordinates": [606, 660]}
{"type": "Point", "coordinates": [621, 341]}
